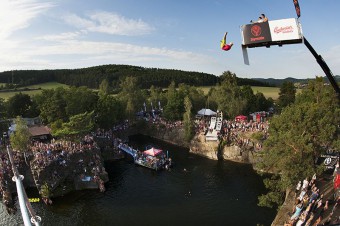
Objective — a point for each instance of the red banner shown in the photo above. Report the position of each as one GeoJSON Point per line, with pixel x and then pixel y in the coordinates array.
{"type": "Point", "coordinates": [297, 8]}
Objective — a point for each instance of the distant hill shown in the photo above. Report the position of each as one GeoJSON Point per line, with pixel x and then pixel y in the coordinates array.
{"type": "Point", "coordinates": [114, 74]}
{"type": "Point", "coordinates": [92, 77]}
{"type": "Point", "coordinates": [278, 82]}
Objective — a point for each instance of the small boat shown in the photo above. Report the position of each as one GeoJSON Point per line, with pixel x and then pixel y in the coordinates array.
{"type": "Point", "coordinates": [153, 158]}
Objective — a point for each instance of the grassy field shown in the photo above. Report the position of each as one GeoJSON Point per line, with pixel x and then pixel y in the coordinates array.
{"type": "Point", "coordinates": [48, 85]}
{"type": "Point", "coordinates": [272, 92]}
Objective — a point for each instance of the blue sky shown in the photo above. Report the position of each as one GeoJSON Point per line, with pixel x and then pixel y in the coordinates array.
{"type": "Point", "coordinates": [174, 34]}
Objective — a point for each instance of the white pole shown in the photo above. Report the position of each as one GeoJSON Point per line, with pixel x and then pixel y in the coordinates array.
{"type": "Point", "coordinates": [22, 203]}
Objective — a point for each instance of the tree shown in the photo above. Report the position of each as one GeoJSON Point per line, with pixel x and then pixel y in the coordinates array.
{"type": "Point", "coordinates": [228, 96]}
{"type": "Point", "coordinates": [109, 111]}
{"type": "Point", "coordinates": [3, 109]}
{"type": "Point", "coordinates": [21, 136]}
{"type": "Point", "coordinates": [248, 94]}
{"type": "Point", "coordinates": [156, 96]}
{"type": "Point", "coordinates": [174, 108]}
{"type": "Point", "coordinates": [286, 95]}
{"type": "Point", "coordinates": [196, 96]}
{"type": "Point", "coordinates": [79, 100]}
{"type": "Point", "coordinates": [19, 105]}
{"type": "Point", "coordinates": [104, 87]}
{"type": "Point", "coordinates": [52, 104]}
{"type": "Point", "coordinates": [261, 103]}
{"type": "Point", "coordinates": [297, 137]}
{"type": "Point", "coordinates": [187, 119]}
{"type": "Point", "coordinates": [131, 95]}
{"type": "Point", "coordinates": [78, 125]}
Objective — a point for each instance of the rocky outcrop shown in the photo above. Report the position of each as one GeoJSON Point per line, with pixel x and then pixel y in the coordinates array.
{"type": "Point", "coordinates": [208, 149]}
{"type": "Point", "coordinates": [173, 135]}
{"type": "Point", "coordinates": [198, 145]}
{"type": "Point", "coordinates": [80, 170]}
{"type": "Point", "coordinates": [215, 150]}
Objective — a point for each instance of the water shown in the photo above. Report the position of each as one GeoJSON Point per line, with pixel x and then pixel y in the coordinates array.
{"type": "Point", "coordinates": [208, 193]}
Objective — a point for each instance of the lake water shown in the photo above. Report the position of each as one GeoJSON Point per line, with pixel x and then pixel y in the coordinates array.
{"type": "Point", "coordinates": [208, 193]}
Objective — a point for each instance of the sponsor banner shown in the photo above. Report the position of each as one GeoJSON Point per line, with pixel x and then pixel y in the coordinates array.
{"type": "Point", "coordinates": [256, 33]}
{"type": "Point", "coordinates": [283, 30]}
{"type": "Point", "coordinates": [328, 160]}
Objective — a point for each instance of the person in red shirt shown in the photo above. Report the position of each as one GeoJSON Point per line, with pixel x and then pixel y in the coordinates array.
{"type": "Point", "coordinates": [224, 45]}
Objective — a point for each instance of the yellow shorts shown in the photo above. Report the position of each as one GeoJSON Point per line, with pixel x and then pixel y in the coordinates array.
{"type": "Point", "coordinates": [222, 43]}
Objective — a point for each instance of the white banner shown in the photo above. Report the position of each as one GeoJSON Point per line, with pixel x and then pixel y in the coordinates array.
{"type": "Point", "coordinates": [285, 29]}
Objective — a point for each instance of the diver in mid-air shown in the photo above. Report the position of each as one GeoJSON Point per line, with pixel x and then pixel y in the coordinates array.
{"type": "Point", "coordinates": [224, 45]}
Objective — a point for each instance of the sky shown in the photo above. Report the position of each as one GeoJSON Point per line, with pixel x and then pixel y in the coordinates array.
{"type": "Point", "coordinates": [169, 34]}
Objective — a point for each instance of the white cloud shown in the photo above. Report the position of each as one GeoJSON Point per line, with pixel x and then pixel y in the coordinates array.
{"type": "Point", "coordinates": [73, 53]}
{"type": "Point", "coordinates": [110, 23]}
{"type": "Point", "coordinates": [60, 37]}
{"type": "Point", "coordinates": [16, 15]}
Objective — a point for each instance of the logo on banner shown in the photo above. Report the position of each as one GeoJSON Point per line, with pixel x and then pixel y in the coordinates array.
{"type": "Point", "coordinates": [287, 29]}
{"type": "Point", "coordinates": [327, 161]}
{"type": "Point", "coordinates": [256, 30]}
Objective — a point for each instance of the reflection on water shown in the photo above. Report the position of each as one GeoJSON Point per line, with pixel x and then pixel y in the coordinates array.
{"type": "Point", "coordinates": [206, 193]}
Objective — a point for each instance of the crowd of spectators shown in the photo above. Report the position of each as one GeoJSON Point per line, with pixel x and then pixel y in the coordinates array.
{"type": "Point", "coordinates": [168, 125]}
{"type": "Point", "coordinates": [233, 131]}
{"type": "Point", "coordinates": [60, 153]}
{"type": "Point", "coordinates": [6, 175]}
{"type": "Point", "coordinates": [311, 206]}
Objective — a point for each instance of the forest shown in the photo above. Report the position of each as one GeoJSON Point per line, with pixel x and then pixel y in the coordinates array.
{"type": "Point", "coordinates": [91, 77]}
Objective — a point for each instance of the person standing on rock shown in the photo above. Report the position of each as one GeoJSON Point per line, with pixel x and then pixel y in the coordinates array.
{"type": "Point", "coordinates": [298, 187]}
{"type": "Point", "coordinates": [305, 184]}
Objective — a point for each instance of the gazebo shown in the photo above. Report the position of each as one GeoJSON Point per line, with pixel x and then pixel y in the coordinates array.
{"type": "Point", "coordinates": [206, 112]}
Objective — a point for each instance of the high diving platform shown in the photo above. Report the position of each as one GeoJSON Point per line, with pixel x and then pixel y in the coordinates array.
{"type": "Point", "coordinates": [266, 34]}
{"type": "Point", "coordinates": [214, 127]}
{"type": "Point", "coordinates": [281, 32]}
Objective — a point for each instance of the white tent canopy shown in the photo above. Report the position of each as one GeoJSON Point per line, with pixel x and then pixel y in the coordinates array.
{"type": "Point", "coordinates": [206, 111]}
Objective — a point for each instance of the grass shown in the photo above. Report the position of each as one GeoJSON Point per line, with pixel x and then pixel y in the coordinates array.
{"type": "Point", "coordinates": [42, 86]}
{"type": "Point", "coordinates": [272, 92]}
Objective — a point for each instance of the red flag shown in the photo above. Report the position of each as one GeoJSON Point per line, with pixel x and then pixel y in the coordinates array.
{"type": "Point", "coordinates": [297, 8]}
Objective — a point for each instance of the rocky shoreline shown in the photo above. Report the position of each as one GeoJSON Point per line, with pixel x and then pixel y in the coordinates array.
{"type": "Point", "coordinates": [75, 172]}
{"type": "Point", "coordinates": [57, 171]}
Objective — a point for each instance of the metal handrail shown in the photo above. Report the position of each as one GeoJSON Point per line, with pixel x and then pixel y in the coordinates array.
{"type": "Point", "coordinates": [25, 205]}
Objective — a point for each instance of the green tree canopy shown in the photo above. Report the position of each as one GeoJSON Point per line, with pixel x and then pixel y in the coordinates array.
{"type": "Point", "coordinates": [109, 111]}
{"type": "Point", "coordinates": [297, 137]}
{"type": "Point", "coordinates": [19, 105]}
{"type": "Point", "coordinates": [78, 125]}
{"type": "Point", "coordinates": [104, 87]}
{"type": "Point", "coordinates": [131, 96]}
{"type": "Point", "coordinates": [79, 100]}
{"type": "Point", "coordinates": [228, 96]}
{"type": "Point", "coordinates": [21, 136]}
{"type": "Point", "coordinates": [286, 95]}
{"type": "Point", "coordinates": [187, 120]}
{"type": "Point", "coordinates": [174, 108]}
{"type": "Point", "coordinates": [52, 104]}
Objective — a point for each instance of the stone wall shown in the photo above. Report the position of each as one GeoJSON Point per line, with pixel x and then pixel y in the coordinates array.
{"type": "Point", "coordinates": [210, 150]}
{"type": "Point", "coordinates": [198, 145]}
